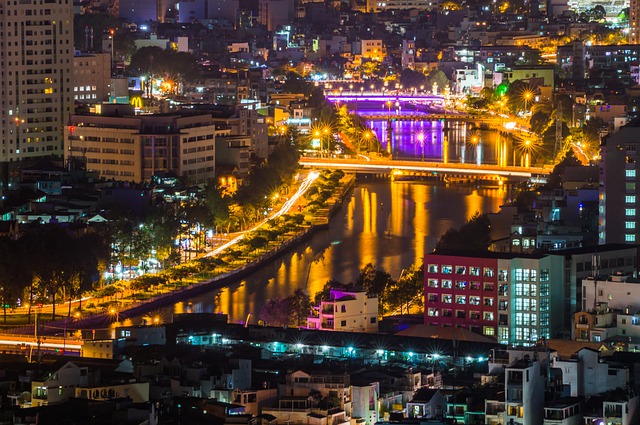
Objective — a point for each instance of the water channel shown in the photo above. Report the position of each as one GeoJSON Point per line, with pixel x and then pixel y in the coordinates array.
{"type": "Point", "coordinates": [389, 224]}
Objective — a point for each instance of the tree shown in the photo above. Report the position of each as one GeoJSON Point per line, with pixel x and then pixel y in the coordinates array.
{"type": "Point", "coordinates": [14, 273]}
{"type": "Point", "coordinates": [438, 77]}
{"type": "Point", "coordinates": [325, 293]}
{"type": "Point", "coordinates": [555, 177]}
{"type": "Point", "coordinates": [411, 78]}
{"type": "Point", "coordinates": [54, 263]}
{"type": "Point", "coordinates": [292, 310]}
{"type": "Point", "coordinates": [407, 289]}
{"type": "Point", "coordinates": [376, 281]}
{"type": "Point", "coordinates": [475, 235]}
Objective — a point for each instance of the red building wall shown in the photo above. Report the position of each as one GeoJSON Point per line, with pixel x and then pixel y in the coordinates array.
{"type": "Point", "coordinates": [461, 292]}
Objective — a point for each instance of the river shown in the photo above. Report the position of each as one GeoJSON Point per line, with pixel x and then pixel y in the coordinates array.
{"type": "Point", "coordinates": [389, 224]}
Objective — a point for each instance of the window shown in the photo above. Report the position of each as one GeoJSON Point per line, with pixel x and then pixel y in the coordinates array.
{"type": "Point", "coordinates": [460, 314]}
{"type": "Point", "coordinates": [461, 299]}
{"type": "Point", "coordinates": [446, 313]}
{"type": "Point", "coordinates": [461, 270]}
{"type": "Point", "coordinates": [503, 275]}
{"type": "Point", "coordinates": [488, 330]}
{"type": "Point", "coordinates": [447, 269]}
{"type": "Point", "coordinates": [629, 224]}
{"type": "Point", "coordinates": [630, 212]}
{"type": "Point", "coordinates": [432, 312]}
{"type": "Point", "coordinates": [502, 305]}
{"type": "Point", "coordinates": [630, 199]}
{"type": "Point", "coordinates": [432, 283]}
{"type": "Point", "coordinates": [475, 286]}
{"type": "Point", "coordinates": [488, 272]}
{"type": "Point", "coordinates": [343, 323]}
{"type": "Point", "coordinates": [447, 299]}
{"type": "Point", "coordinates": [474, 300]}
{"type": "Point", "coordinates": [461, 284]}
{"type": "Point", "coordinates": [373, 320]}
{"type": "Point", "coordinates": [446, 284]}
{"type": "Point", "coordinates": [629, 238]}
{"type": "Point", "coordinates": [475, 315]}
{"type": "Point", "coordinates": [544, 305]}
{"type": "Point", "coordinates": [474, 271]}
{"type": "Point", "coordinates": [488, 301]}
{"type": "Point", "coordinates": [630, 173]}
{"type": "Point", "coordinates": [518, 275]}
{"type": "Point", "coordinates": [544, 290]}
{"type": "Point", "coordinates": [544, 275]}
{"type": "Point", "coordinates": [488, 315]}
{"type": "Point", "coordinates": [433, 268]}
{"type": "Point", "coordinates": [488, 286]}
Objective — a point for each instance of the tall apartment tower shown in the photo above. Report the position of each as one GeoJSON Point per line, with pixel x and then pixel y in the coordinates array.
{"type": "Point", "coordinates": [634, 22]}
{"type": "Point", "coordinates": [36, 79]}
{"type": "Point", "coordinates": [619, 188]}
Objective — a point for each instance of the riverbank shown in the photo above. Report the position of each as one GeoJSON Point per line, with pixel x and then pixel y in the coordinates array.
{"type": "Point", "coordinates": [127, 308]}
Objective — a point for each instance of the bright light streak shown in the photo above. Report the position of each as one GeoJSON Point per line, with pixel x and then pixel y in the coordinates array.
{"type": "Point", "coordinates": [366, 158]}
{"type": "Point", "coordinates": [42, 344]}
{"type": "Point", "coordinates": [304, 186]}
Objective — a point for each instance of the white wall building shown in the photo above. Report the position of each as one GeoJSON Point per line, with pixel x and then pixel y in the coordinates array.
{"type": "Point", "coordinates": [524, 392]}
{"type": "Point", "coordinates": [347, 311]}
{"type": "Point", "coordinates": [619, 292]}
{"type": "Point", "coordinates": [586, 375]}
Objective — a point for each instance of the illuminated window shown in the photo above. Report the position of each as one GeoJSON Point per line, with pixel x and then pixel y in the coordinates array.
{"type": "Point", "coordinates": [446, 284]}
{"type": "Point", "coordinates": [489, 331]}
{"type": "Point", "coordinates": [630, 211]}
{"type": "Point", "coordinates": [433, 283]}
{"type": "Point", "coordinates": [629, 224]}
{"type": "Point", "coordinates": [630, 173]}
{"type": "Point", "coordinates": [630, 199]}
{"type": "Point", "coordinates": [629, 238]}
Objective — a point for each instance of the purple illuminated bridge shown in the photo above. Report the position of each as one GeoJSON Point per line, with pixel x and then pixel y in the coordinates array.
{"type": "Point", "coordinates": [383, 98]}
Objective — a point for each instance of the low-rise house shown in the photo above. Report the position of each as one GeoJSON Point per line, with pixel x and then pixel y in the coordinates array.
{"type": "Point", "coordinates": [566, 411]}
{"type": "Point", "coordinates": [58, 385]}
{"type": "Point", "coordinates": [586, 373]}
{"type": "Point", "coordinates": [618, 407]}
{"type": "Point", "coordinates": [355, 311]}
{"type": "Point", "coordinates": [323, 382]}
{"type": "Point", "coordinates": [427, 403]}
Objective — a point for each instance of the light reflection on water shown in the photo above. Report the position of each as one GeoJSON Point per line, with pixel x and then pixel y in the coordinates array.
{"type": "Point", "coordinates": [388, 224]}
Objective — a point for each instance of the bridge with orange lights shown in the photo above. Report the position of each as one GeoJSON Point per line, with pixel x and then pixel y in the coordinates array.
{"type": "Point", "coordinates": [417, 169]}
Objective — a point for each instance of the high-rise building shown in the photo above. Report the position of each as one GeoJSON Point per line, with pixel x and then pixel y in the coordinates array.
{"type": "Point", "coordinates": [36, 81]}
{"type": "Point", "coordinates": [121, 146]}
{"type": "Point", "coordinates": [619, 189]}
{"type": "Point", "coordinates": [517, 299]}
{"type": "Point", "coordinates": [634, 22]}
